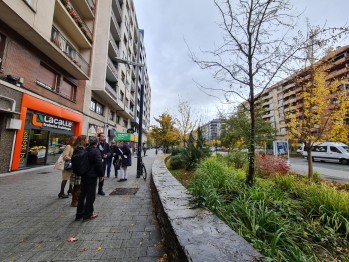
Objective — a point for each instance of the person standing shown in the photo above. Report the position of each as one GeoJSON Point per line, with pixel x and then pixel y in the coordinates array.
{"type": "Point", "coordinates": [66, 174]}
{"type": "Point", "coordinates": [89, 182]}
{"type": "Point", "coordinates": [75, 181]}
{"type": "Point", "coordinates": [104, 149]}
{"type": "Point", "coordinates": [126, 160]}
{"type": "Point", "coordinates": [116, 154]}
{"type": "Point", "coordinates": [110, 157]}
{"type": "Point", "coordinates": [144, 149]}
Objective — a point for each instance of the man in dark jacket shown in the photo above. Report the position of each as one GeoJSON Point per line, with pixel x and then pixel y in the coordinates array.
{"type": "Point", "coordinates": [89, 182]}
{"type": "Point", "coordinates": [104, 149]}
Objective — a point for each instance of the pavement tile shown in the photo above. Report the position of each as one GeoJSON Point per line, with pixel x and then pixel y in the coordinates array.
{"type": "Point", "coordinates": [35, 224]}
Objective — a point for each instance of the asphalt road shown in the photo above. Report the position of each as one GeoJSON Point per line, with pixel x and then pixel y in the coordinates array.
{"type": "Point", "coordinates": [329, 171]}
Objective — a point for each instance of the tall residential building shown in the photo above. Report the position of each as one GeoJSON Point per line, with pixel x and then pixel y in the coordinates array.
{"type": "Point", "coordinates": [113, 94]}
{"type": "Point", "coordinates": [283, 96]}
{"type": "Point", "coordinates": [212, 130]}
{"type": "Point", "coordinates": [45, 50]}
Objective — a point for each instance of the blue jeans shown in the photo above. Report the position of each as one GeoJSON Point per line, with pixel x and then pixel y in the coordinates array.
{"type": "Point", "coordinates": [109, 162]}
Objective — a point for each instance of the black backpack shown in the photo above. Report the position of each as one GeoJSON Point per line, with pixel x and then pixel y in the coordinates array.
{"type": "Point", "coordinates": [80, 161]}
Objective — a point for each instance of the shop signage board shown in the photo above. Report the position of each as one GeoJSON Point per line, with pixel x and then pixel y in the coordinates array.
{"type": "Point", "coordinates": [41, 120]}
{"type": "Point", "coordinates": [122, 136]}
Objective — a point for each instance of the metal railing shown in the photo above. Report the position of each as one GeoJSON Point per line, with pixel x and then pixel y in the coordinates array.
{"type": "Point", "coordinates": [59, 40]}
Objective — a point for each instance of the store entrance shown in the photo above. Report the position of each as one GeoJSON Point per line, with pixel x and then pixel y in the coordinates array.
{"type": "Point", "coordinates": [44, 147]}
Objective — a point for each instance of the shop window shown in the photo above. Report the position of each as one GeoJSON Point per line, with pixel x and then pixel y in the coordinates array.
{"type": "Point", "coordinates": [47, 77]}
{"type": "Point", "coordinates": [67, 90]}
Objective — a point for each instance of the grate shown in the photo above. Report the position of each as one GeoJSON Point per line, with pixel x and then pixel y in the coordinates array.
{"type": "Point", "coordinates": [124, 191]}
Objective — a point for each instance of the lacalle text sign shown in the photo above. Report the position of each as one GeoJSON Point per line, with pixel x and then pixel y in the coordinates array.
{"type": "Point", "coordinates": [42, 120]}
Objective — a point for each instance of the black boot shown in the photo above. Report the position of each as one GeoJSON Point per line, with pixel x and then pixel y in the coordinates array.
{"type": "Point", "coordinates": [70, 190]}
{"type": "Point", "coordinates": [61, 194]}
{"type": "Point", "coordinates": [100, 188]}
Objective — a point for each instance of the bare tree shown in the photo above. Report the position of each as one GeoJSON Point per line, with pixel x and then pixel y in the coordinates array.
{"type": "Point", "coordinates": [257, 48]}
{"type": "Point", "coordinates": [186, 121]}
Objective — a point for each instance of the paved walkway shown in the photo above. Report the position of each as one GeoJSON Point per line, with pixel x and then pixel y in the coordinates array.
{"type": "Point", "coordinates": [35, 224]}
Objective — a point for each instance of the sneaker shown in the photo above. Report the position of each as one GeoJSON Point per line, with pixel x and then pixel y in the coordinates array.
{"type": "Point", "coordinates": [101, 193]}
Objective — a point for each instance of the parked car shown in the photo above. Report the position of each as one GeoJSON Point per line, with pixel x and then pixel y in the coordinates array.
{"type": "Point", "coordinates": [330, 151]}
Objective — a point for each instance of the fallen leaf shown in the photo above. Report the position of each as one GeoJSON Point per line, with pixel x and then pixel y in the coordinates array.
{"type": "Point", "coordinates": [99, 248]}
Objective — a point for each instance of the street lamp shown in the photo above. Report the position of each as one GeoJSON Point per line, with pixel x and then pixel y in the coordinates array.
{"type": "Point", "coordinates": [140, 121]}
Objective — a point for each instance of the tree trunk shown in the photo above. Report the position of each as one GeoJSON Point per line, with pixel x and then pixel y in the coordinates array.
{"type": "Point", "coordinates": [310, 161]}
{"type": "Point", "coordinates": [251, 156]}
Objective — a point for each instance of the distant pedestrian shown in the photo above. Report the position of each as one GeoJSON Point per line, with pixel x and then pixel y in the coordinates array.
{"type": "Point", "coordinates": [117, 154]}
{"type": "Point", "coordinates": [126, 160]}
{"type": "Point", "coordinates": [144, 149]}
{"type": "Point", "coordinates": [66, 174]}
{"type": "Point", "coordinates": [89, 182]}
{"type": "Point", "coordinates": [104, 149]}
{"type": "Point", "coordinates": [75, 181]}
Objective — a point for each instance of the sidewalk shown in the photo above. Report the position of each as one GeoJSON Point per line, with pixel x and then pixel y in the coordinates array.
{"type": "Point", "coordinates": [35, 224]}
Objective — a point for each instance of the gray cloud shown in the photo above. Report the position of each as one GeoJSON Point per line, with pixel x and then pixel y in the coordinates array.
{"type": "Point", "coordinates": [169, 24]}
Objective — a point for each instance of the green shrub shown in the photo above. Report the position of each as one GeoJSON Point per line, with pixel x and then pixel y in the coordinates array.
{"type": "Point", "coordinates": [177, 151]}
{"type": "Point", "coordinates": [177, 162]}
{"type": "Point", "coordinates": [238, 159]}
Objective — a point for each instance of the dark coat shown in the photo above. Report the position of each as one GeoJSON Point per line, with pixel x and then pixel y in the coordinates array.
{"type": "Point", "coordinates": [96, 164]}
{"type": "Point", "coordinates": [126, 156]}
{"type": "Point", "coordinates": [104, 148]}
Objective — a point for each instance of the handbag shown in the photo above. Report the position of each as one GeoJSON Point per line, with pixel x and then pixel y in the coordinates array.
{"type": "Point", "coordinates": [59, 165]}
{"type": "Point", "coordinates": [117, 163]}
{"type": "Point", "coordinates": [68, 165]}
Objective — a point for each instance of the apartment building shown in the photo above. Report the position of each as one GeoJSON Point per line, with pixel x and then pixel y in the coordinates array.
{"type": "Point", "coordinates": [282, 97]}
{"type": "Point", "coordinates": [45, 63]}
{"type": "Point", "coordinates": [112, 102]}
{"type": "Point", "coordinates": [212, 130]}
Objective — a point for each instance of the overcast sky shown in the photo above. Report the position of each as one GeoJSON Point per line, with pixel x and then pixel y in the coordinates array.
{"type": "Point", "coordinates": [170, 24]}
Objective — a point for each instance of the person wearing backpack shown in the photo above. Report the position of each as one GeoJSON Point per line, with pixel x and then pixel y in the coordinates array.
{"type": "Point", "coordinates": [75, 180]}
{"type": "Point", "coordinates": [89, 181]}
{"type": "Point", "coordinates": [104, 149]}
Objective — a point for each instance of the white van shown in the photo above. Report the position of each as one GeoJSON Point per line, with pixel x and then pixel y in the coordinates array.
{"type": "Point", "coordinates": [330, 151]}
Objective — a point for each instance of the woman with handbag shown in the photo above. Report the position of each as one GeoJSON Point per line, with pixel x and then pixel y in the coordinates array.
{"type": "Point", "coordinates": [67, 171]}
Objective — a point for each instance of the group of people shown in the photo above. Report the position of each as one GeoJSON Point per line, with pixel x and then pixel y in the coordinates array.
{"type": "Point", "coordinates": [101, 156]}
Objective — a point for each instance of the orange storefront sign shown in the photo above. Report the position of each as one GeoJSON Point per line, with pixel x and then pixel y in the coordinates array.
{"type": "Point", "coordinates": [36, 104]}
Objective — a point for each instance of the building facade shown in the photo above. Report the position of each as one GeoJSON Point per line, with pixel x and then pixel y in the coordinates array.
{"type": "Point", "coordinates": [283, 96]}
{"type": "Point", "coordinates": [212, 130]}
{"type": "Point", "coordinates": [58, 75]}
{"type": "Point", "coordinates": [113, 93]}
{"type": "Point", "coordinates": [45, 48]}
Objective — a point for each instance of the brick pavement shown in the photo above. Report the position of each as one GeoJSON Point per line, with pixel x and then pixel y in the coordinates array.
{"type": "Point", "coordinates": [35, 224]}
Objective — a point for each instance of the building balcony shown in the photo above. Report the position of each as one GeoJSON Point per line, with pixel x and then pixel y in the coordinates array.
{"type": "Point", "coordinates": [113, 48]}
{"type": "Point", "coordinates": [117, 10]}
{"type": "Point", "coordinates": [68, 50]}
{"type": "Point", "coordinates": [69, 19]}
{"type": "Point", "coordinates": [79, 69]}
{"type": "Point", "coordinates": [86, 8]}
{"type": "Point", "coordinates": [112, 72]}
{"type": "Point", "coordinates": [115, 27]}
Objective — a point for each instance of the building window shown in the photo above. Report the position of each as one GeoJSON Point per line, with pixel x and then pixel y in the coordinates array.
{"type": "Point", "coordinates": [111, 115]}
{"type": "Point", "coordinates": [118, 119]}
{"type": "Point", "coordinates": [122, 96]}
{"type": "Point", "coordinates": [67, 90]}
{"type": "Point", "coordinates": [96, 107]}
{"type": "Point", "coordinates": [47, 77]}
{"type": "Point", "coordinates": [125, 123]}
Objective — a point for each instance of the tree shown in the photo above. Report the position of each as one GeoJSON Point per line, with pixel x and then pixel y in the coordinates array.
{"type": "Point", "coordinates": [166, 134]}
{"type": "Point", "coordinates": [185, 121]}
{"type": "Point", "coordinates": [235, 130]}
{"type": "Point", "coordinates": [324, 108]}
{"type": "Point", "coordinates": [257, 48]}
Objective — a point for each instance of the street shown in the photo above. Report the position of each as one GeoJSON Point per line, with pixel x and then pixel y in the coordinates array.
{"type": "Point", "coordinates": [327, 170]}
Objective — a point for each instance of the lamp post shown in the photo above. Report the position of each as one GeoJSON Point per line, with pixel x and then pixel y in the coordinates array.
{"type": "Point", "coordinates": [140, 121]}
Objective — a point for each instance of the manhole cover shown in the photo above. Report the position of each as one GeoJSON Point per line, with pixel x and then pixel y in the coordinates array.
{"type": "Point", "coordinates": [124, 191]}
